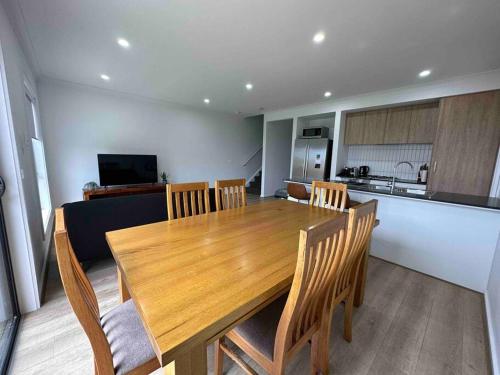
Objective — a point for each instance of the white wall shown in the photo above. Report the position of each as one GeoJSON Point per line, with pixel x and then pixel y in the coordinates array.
{"type": "Point", "coordinates": [28, 247]}
{"type": "Point", "coordinates": [493, 310]}
{"type": "Point", "coordinates": [192, 144]}
{"type": "Point", "coordinates": [277, 151]}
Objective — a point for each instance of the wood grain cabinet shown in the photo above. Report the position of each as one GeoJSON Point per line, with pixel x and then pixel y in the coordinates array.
{"type": "Point", "coordinates": [374, 127]}
{"type": "Point", "coordinates": [423, 123]}
{"type": "Point", "coordinates": [466, 144]}
{"type": "Point", "coordinates": [397, 126]}
{"type": "Point", "coordinates": [355, 127]}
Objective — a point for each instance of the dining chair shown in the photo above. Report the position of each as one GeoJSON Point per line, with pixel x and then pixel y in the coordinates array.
{"type": "Point", "coordinates": [230, 194]}
{"type": "Point", "coordinates": [329, 195]}
{"type": "Point", "coordinates": [188, 199]}
{"type": "Point", "coordinates": [298, 191]}
{"type": "Point", "coordinates": [276, 333]}
{"type": "Point", "coordinates": [359, 230]}
{"type": "Point", "coordinates": [118, 338]}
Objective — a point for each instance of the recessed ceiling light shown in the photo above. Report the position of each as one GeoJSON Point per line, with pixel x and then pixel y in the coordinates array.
{"type": "Point", "coordinates": [327, 94]}
{"type": "Point", "coordinates": [319, 37]}
{"type": "Point", "coordinates": [424, 73]}
{"type": "Point", "coordinates": [206, 100]}
{"type": "Point", "coordinates": [249, 86]}
{"type": "Point", "coordinates": [123, 42]}
{"type": "Point", "coordinates": [105, 77]}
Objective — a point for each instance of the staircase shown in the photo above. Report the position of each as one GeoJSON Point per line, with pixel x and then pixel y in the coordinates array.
{"type": "Point", "coordinates": [254, 185]}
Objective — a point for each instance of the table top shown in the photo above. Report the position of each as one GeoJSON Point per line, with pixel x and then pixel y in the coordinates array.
{"type": "Point", "coordinates": [193, 278]}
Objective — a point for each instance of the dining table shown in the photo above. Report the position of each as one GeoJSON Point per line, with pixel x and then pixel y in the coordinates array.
{"type": "Point", "coordinates": [194, 279]}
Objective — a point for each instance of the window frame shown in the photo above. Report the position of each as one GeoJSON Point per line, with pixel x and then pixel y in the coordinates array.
{"type": "Point", "coordinates": [36, 136]}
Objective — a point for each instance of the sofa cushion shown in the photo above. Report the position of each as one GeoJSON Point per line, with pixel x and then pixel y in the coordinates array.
{"type": "Point", "coordinates": [127, 338]}
{"type": "Point", "coordinates": [88, 221]}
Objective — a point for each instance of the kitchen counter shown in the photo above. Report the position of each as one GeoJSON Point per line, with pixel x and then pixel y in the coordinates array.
{"type": "Point", "coordinates": [461, 199]}
{"type": "Point", "coordinates": [451, 198]}
{"type": "Point", "coordinates": [449, 236]}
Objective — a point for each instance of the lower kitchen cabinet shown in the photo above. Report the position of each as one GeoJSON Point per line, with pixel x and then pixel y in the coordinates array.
{"type": "Point", "coordinates": [466, 144]}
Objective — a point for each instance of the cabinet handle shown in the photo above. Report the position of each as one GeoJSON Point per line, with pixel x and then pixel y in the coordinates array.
{"type": "Point", "coordinates": [435, 166]}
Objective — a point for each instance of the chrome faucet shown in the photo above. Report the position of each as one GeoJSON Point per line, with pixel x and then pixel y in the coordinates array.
{"type": "Point", "coordinates": [394, 172]}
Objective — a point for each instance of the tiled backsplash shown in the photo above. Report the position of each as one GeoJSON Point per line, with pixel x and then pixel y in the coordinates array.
{"type": "Point", "coordinates": [382, 158]}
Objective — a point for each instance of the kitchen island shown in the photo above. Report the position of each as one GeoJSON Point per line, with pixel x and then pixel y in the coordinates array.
{"type": "Point", "coordinates": [449, 236]}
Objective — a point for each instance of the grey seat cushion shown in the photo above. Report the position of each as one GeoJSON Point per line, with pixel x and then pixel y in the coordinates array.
{"type": "Point", "coordinates": [127, 338]}
{"type": "Point", "coordinates": [260, 329]}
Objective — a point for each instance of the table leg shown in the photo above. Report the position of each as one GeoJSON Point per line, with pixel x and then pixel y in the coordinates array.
{"type": "Point", "coordinates": [363, 269]}
{"type": "Point", "coordinates": [122, 288]}
{"type": "Point", "coordinates": [191, 363]}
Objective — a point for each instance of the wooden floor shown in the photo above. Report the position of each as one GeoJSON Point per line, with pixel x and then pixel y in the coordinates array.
{"type": "Point", "coordinates": [409, 324]}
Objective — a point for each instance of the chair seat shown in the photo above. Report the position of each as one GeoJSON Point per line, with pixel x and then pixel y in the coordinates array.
{"type": "Point", "coordinates": [260, 329]}
{"type": "Point", "coordinates": [127, 338]}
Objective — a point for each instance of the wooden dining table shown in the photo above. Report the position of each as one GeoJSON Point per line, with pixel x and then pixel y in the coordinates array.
{"type": "Point", "coordinates": [194, 279]}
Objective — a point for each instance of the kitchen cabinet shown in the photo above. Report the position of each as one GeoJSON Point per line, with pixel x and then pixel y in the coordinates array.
{"type": "Point", "coordinates": [355, 127]}
{"type": "Point", "coordinates": [374, 127]}
{"type": "Point", "coordinates": [466, 144]}
{"type": "Point", "coordinates": [397, 126]}
{"type": "Point", "coordinates": [423, 123]}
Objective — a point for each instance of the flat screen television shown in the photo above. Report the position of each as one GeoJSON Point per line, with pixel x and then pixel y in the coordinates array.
{"type": "Point", "coordinates": [117, 169]}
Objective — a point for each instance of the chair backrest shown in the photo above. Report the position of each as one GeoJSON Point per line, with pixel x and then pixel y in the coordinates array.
{"type": "Point", "coordinates": [297, 191]}
{"type": "Point", "coordinates": [230, 194]}
{"type": "Point", "coordinates": [329, 195]}
{"type": "Point", "coordinates": [318, 262]}
{"type": "Point", "coordinates": [361, 221]}
{"type": "Point", "coordinates": [187, 199]}
{"type": "Point", "coordinates": [81, 297]}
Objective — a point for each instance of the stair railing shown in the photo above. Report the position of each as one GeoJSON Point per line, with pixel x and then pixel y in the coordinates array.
{"type": "Point", "coordinates": [255, 153]}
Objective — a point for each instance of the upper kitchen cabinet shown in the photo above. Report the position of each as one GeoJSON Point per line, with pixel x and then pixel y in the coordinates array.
{"type": "Point", "coordinates": [423, 123]}
{"type": "Point", "coordinates": [374, 127]}
{"type": "Point", "coordinates": [466, 144]}
{"type": "Point", "coordinates": [355, 128]}
{"type": "Point", "coordinates": [397, 127]}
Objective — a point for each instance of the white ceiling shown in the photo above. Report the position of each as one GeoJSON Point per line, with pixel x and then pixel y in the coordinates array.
{"type": "Point", "coordinates": [185, 50]}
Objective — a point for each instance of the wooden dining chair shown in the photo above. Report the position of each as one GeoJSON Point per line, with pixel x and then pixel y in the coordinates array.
{"type": "Point", "coordinates": [275, 334]}
{"type": "Point", "coordinates": [188, 199]}
{"type": "Point", "coordinates": [329, 195]}
{"type": "Point", "coordinates": [361, 222]}
{"type": "Point", "coordinates": [230, 194]}
{"type": "Point", "coordinates": [118, 338]}
{"type": "Point", "coordinates": [298, 191]}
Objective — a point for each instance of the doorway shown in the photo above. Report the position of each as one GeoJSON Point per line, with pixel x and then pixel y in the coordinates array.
{"type": "Point", "coordinates": [9, 308]}
{"type": "Point", "coordinates": [277, 155]}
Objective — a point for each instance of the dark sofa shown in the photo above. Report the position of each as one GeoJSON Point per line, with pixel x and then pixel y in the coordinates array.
{"type": "Point", "coordinates": [88, 221]}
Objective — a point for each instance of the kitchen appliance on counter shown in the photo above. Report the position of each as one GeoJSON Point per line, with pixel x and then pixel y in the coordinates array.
{"type": "Point", "coordinates": [363, 171]}
{"type": "Point", "coordinates": [312, 159]}
{"type": "Point", "coordinates": [345, 172]}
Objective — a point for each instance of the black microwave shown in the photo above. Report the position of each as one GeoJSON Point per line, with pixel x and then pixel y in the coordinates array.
{"type": "Point", "coordinates": [320, 132]}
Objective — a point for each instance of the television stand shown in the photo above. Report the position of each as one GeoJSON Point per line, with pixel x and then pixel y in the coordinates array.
{"type": "Point", "coordinates": [117, 191]}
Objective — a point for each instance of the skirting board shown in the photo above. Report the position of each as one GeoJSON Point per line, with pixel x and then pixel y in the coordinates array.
{"type": "Point", "coordinates": [495, 361]}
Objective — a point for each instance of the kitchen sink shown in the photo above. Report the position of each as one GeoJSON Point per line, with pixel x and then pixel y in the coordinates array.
{"type": "Point", "coordinates": [397, 190]}
{"type": "Point", "coordinates": [416, 191]}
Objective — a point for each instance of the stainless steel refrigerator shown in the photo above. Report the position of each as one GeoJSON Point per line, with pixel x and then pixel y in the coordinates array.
{"type": "Point", "coordinates": [311, 159]}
